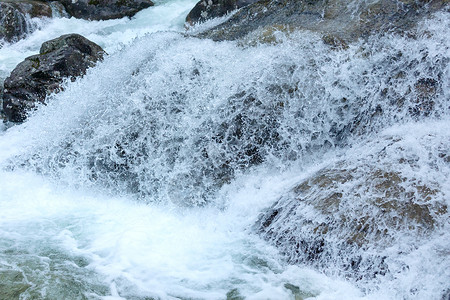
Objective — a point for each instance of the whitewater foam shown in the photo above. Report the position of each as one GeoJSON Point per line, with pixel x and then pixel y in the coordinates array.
{"type": "Point", "coordinates": [92, 183]}
{"type": "Point", "coordinates": [139, 250]}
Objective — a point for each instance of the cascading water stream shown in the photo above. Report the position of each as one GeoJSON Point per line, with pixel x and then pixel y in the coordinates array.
{"type": "Point", "coordinates": [144, 178]}
{"type": "Point", "coordinates": [111, 35]}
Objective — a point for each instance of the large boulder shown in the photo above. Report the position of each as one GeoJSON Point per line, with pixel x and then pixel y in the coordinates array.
{"type": "Point", "coordinates": [361, 216]}
{"type": "Point", "coordinates": [339, 21]}
{"type": "Point", "coordinates": [15, 17]}
{"type": "Point", "coordinates": [39, 75]}
{"type": "Point", "coordinates": [104, 9]}
{"type": "Point", "coordinates": [209, 9]}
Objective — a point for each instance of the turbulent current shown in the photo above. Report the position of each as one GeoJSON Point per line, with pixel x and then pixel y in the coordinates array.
{"type": "Point", "coordinates": [145, 178]}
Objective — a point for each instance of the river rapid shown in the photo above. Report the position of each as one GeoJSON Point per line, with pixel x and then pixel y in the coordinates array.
{"type": "Point", "coordinates": [107, 193]}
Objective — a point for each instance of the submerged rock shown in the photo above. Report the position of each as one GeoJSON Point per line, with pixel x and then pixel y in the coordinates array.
{"type": "Point", "coordinates": [209, 9]}
{"type": "Point", "coordinates": [339, 21]}
{"type": "Point", "coordinates": [104, 9]}
{"type": "Point", "coordinates": [39, 75]}
{"type": "Point", "coordinates": [12, 284]}
{"type": "Point", "coordinates": [349, 218]}
{"type": "Point", "coordinates": [15, 17]}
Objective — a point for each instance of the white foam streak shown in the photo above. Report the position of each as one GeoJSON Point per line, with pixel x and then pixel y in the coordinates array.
{"type": "Point", "coordinates": [72, 223]}
{"type": "Point", "coordinates": [147, 250]}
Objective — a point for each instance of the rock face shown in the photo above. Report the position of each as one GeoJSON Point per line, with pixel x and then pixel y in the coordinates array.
{"type": "Point", "coordinates": [338, 20]}
{"type": "Point", "coordinates": [39, 75]}
{"type": "Point", "coordinates": [104, 9]}
{"type": "Point", "coordinates": [209, 9]}
{"type": "Point", "coordinates": [15, 17]}
{"type": "Point", "coordinates": [345, 217]}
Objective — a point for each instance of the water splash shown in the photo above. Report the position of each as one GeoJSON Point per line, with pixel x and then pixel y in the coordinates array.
{"type": "Point", "coordinates": [171, 119]}
{"type": "Point", "coordinates": [111, 35]}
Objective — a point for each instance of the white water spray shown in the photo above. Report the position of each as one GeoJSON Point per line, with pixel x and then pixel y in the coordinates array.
{"type": "Point", "coordinates": [101, 188]}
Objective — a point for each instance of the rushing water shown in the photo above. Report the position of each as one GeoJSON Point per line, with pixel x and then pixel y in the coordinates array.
{"type": "Point", "coordinates": [143, 179]}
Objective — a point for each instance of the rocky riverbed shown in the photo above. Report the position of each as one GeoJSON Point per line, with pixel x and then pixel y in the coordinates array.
{"type": "Point", "coordinates": [319, 127]}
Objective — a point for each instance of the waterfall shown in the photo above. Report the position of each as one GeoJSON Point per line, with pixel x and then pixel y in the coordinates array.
{"type": "Point", "coordinates": [145, 177]}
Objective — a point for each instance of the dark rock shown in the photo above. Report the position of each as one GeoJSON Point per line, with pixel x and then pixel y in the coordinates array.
{"type": "Point", "coordinates": [337, 20]}
{"type": "Point", "coordinates": [342, 218]}
{"type": "Point", "coordinates": [58, 10]}
{"type": "Point", "coordinates": [209, 9]}
{"type": "Point", "coordinates": [446, 295]}
{"type": "Point", "coordinates": [39, 75]}
{"type": "Point", "coordinates": [425, 90]}
{"type": "Point", "coordinates": [2, 114]}
{"type": "Point", "coordinates": [104, 9]}
{"type": "Point", "coordinates": [15, 17]}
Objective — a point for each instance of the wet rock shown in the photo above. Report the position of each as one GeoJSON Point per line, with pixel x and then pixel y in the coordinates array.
{"type": "Point", "coordinates": [15, 17]}
{"type": "Point", "coordinates": [343, 218]}
{"type": "Point", "coordinates": [58, 10]}
{"type": "Point", "coordinates": [2, 114]}
{"type": "Point", "coordinates": [446, 295]}
{"type": "Point", "coordinates": [339, 21]}
{"type": "Point", "coordinates": [209, 9]}
{"type": "Point", "coordinates": [12, 284]}
{"type": "Point", "coordinates": [104, 9]}
{"type": "Point", "coordinates": [39, 75]}
{"type": "Point", "coordinates": [425, 90]}
{"type": "Point", "coordinates": [234, 295]}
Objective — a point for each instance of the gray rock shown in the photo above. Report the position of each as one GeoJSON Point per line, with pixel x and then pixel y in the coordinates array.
{"type": "Point", "coordinates": [209, 9]}
{"type": "Point", "coordinates": [104, 9]}
{"type": "Point", "coordinates": [2, 114]}
{"type": "Point", "coordinates": [39, 75]}
{"type": "Point", "coordinates": [337, 20]}
{"type": "Point", "coordinates": [346, 216]}
{"type": "Point", "coordinates": [15, 17]}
